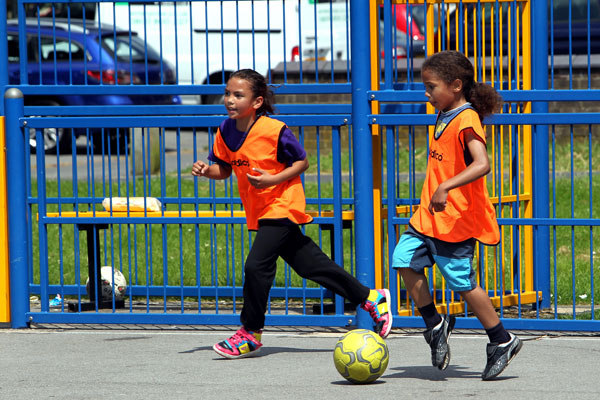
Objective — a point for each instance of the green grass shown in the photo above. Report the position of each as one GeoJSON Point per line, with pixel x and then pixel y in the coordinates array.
{"type": "Point", "coordinates": [213, 254]}
{"type": "Point", "coordinates": [576, 248]}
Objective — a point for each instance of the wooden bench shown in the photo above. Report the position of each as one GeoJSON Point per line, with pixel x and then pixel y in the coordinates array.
{"type": "Point", "coordinates": [93, 221]}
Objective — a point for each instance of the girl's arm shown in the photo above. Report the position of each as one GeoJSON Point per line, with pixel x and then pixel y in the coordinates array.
{"type": "Point", "coordinates": [478, 168]}
{"type": "Point", "coordinates": [264, 179]}
{"type": "Point", "coordinates": [214, 171]}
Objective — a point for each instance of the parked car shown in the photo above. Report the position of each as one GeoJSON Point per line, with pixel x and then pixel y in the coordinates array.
{"type": "Point", "coordinates": [577, 36]}
{"type": "Point", "coordinates": [567, 32]}
{"type": "Point", "coordinates": [325, 31]}
{"type": "Point", "coordinates": [406, 31]}
{"type": "Point", "coordinates": [59, 53]}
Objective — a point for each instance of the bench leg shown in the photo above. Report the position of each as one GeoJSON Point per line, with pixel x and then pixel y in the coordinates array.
{"type": "Point", "coordinates": [94, 262]}
{"type": "Point", "coordinates": [94, 270]}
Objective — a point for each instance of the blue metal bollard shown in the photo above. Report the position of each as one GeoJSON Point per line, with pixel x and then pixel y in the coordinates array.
{"type": "Point", "coordinates": [541, 209]}
{"type": "Point", "coordinates": [362, 147]}
{"type": "Point", "coordinates": [18, 242]}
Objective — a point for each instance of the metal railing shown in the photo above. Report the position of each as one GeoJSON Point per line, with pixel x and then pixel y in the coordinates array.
{"type": "Point", "coordinates": [364, 125]}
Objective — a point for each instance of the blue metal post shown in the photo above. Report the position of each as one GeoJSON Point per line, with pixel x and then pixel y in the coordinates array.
{"type": "Point", "coordinates": [16, 209]}
{"type": "Point", "coordinates": [3, 53]}
{"type": "Point", "coordinates": [541, 209]}
{"type": "Point", "coordinates": [362, 148]}
{"type": "Point", "coordinates": [337, 207]}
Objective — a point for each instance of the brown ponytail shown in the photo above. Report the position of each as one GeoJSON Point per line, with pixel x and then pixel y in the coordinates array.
{"type": "Point", "coordinates": [451, 65]}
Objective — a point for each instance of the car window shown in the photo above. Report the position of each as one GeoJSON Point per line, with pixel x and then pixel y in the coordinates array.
{"type": "Point", "coordinates": [13, 49]}
{"type": "Point", "coordinates": [120, 46]}
{"type": "Point", "coordinates": [49, 50]}
{"type": "Point", "coordinates": [418, 14]}
{"type": "Point", "coordinates": [579, 10]}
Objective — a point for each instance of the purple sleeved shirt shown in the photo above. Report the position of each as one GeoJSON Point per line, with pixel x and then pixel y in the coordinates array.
{"type": "Point", "coordinates": [289, 150]}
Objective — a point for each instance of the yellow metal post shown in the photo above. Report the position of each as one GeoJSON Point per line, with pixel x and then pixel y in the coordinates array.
{"type": "Point", "coordinates": [4, 278]}
{"type": "Point", "coordinates": [527, 161]}
{"type": "Point", "coordinates": [376, 145]}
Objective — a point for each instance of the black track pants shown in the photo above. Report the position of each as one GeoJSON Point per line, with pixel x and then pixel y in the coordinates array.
{"type": "Point", "coordinates": [304, 256]}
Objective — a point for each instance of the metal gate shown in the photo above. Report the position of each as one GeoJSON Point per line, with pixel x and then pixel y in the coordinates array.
{"type": "Point", "coordinates": [128, 121]}
{"type": "Point", "coordinates": [526, 276]}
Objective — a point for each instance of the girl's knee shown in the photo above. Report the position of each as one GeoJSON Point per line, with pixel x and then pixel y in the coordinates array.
{"type": "Point", "coordinates": [251, 267]}
{"type": "Point", "coordinates": [466, 293]}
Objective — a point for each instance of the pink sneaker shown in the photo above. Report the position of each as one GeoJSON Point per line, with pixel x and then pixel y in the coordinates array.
{"type": "Point", "coordinates": [377, 305]}
{"type": "Point", "coordinates": [243, 343]}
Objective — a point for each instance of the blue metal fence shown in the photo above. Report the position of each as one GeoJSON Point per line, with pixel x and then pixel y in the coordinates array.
{"type": "Point", "coordinates": [193, 247]}
{"type": "Point", "coordinates": [183, 265]}
{"type": "Point", "coordinates": [528, 202]}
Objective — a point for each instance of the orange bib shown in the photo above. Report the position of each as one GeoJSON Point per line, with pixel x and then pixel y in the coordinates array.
{"type": "Point", "coordinates": [469, 212]}
{"type": "Point", "coordinates": [259, 150]}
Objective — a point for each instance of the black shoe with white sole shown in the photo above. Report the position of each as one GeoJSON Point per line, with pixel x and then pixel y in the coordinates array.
{"type": "Point", "coordinates": [499, 356]}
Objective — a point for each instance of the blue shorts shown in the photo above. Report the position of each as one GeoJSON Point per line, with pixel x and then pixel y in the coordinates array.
{"type": "Point", "coordinates": [417, 252]}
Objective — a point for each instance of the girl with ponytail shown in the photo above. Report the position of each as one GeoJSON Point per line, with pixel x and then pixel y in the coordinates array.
{"type": "Point", "coordinates": [455, 210]}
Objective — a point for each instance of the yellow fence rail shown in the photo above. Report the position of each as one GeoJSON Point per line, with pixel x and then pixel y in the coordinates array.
{"type": "Point", "coordinates": [4, 276]}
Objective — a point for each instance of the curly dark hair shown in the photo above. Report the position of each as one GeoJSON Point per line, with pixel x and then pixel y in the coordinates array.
{"type": "Point", "coordinates": [450, 65]}
{"type": "Point", "coordinates": [259, 87]}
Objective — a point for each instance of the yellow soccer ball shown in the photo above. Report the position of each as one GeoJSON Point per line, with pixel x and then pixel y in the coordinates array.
{"type": "Point", "coordinates": [361, 356]}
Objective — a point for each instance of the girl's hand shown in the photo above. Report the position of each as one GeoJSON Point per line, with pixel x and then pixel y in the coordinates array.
{"type": "Point", "coordinates": [199, 168]}
{"type": "Point", "coordinates": [263, 180]}
{"type": "Point", "coordinates": [438, 200]}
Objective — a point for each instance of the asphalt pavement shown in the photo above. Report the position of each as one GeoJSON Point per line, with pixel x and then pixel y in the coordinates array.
{"type": "Point", "coordinates": [294, 363]}
{"type": "Point", "coordinates": [137, 362]}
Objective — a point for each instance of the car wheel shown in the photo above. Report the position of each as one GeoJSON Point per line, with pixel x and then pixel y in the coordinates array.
{"type": "Point", "coordinates": [213, 99]}
{"type": "Point", "coordinates": [54, 138]}
{"type": "Point", "coordinates": [117, 139]}
{"type": "Point", "coordinates": [216, 78]}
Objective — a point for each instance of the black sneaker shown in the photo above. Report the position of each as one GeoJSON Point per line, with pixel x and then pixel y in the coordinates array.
{"type": "Point", "coordinates": [499, 356]}
{"type": "Point", "coordinates": [437, 338]}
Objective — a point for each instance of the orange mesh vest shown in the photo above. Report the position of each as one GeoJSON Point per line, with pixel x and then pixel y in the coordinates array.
{"type": "Point", "coordinates": [259, 150]}
{"type": "Point", "coordinates": [469, 212]}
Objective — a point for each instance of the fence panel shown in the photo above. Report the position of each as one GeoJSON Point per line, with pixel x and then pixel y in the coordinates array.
{"type": "Point", "coordinates": [101, 101]}
{"type": "Point", "coordinates": [182, 262]}
{"type": "Point", "coordinates": [521, 276]}
{"type": "Point", "coordinates": [122, 111]}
